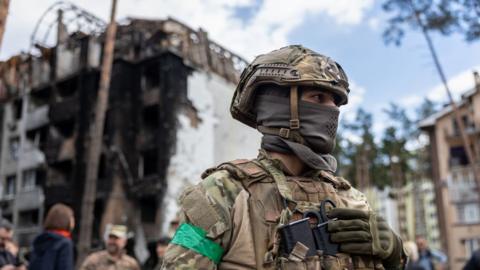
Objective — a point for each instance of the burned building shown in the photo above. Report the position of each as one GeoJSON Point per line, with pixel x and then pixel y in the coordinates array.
{"type": "Point", "coordinates": [167, 120]}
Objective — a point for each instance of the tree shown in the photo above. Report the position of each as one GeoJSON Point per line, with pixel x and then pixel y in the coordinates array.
{"type": "Point", "coordinates": [428, 15]}
{"type": "Point", "coordinates": [442, 16]}
{"type": "Point", "coordinates": [427, 108]}
{"type": "Point", "coordinates": [396, 157]}
{"type": "Point", "coordinates": [359, 155]}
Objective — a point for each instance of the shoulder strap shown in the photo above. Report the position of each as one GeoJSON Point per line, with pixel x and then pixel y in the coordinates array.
{"type": "Point", "coordinates": [280, 179]}
{"type": "Point", "coordinates": [337, 182]}
{"type": "Point", "coordinates": [240, 169]}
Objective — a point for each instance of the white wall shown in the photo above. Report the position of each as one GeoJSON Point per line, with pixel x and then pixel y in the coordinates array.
{"type": "Point", "coordinates": [216, 138]}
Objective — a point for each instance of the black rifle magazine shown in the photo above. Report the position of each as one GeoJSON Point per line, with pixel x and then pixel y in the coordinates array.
{"type": "Point", "coordinates": [297, 231]}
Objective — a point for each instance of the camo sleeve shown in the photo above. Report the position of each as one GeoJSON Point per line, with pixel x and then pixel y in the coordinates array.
{"type": "Point", "coordinates": [353, 198]}
{"type": "Point", "coordinates": [207, 205]}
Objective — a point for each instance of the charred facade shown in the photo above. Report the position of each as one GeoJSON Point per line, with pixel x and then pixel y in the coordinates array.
{"type": "Point", "coordinates": [48, 106]}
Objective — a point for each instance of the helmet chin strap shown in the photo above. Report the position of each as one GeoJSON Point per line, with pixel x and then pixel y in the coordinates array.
{"type": "Point", "coordinates": [292, 133]}
{"type": "Point", "coordinates": [294, 119]}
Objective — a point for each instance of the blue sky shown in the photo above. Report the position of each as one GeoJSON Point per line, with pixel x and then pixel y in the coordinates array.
{"type": "Point", "coordinates": [348, 31]}
{"type": "Point", "coordinates": [403, 74]}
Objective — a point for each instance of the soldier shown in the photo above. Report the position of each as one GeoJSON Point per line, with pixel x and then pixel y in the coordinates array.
{"type": "Point", "coordinates": [242, 213]}
{"type": "Point", "coordinates": [114, 257]}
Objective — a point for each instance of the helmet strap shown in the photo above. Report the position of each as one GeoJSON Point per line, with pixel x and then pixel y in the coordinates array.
{"type": "Point", "coordinates": [294, 120]}
{"type": "Point", "coordinates": [291, 133]}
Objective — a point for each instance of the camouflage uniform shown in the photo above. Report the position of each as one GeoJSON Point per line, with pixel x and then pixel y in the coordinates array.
{"type": "Point", "coordinates": [102, 260]}
{"type": "Point", "coordinates": [239, 205]}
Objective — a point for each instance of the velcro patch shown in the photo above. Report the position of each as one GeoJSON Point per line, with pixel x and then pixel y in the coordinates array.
{"type": "Point", "coordinates": [243, 168]}
{"type": "Point", "coordinates": [252, 169]}
{"type": "Point", "coordinates": [199, 210]}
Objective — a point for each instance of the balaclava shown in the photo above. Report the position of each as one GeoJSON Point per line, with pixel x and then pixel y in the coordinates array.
{"type": "Point", "coordinates": [312, 142]}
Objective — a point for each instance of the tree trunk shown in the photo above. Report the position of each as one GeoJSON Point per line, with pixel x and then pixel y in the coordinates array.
{"type": "Point", "coordinates": [96, 138]}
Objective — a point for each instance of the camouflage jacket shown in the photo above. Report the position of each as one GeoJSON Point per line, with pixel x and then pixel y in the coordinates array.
{"type": "Point", "coordinates": [239, 205]}
{"type": "Point", "coordinates": [101, 260]}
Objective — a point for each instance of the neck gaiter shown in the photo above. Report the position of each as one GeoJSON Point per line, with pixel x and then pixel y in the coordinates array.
{"type": "Point", "coordinates": [318, 127]}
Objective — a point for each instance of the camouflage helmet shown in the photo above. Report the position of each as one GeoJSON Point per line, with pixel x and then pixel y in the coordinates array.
{"type": "Point", "coordinates": [292, 65]}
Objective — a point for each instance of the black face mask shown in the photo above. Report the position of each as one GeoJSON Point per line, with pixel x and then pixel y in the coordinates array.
{"type": "Point", "coordinates": [318, 123]}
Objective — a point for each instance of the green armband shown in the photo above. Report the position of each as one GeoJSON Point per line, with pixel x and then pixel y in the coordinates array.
{"type": "Point", "coordinates": [194, 238]}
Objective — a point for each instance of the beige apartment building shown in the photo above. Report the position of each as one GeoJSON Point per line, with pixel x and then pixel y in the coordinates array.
{"type": "Point", "coordinates": [457, 196]}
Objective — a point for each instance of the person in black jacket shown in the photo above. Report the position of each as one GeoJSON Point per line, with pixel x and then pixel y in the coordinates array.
{"type": "Point", "coordinates": [474, 262]}
{"type": "Point", "coordinates": [53, 249]}
{"type": "Point", "coordinates": [8, 257]}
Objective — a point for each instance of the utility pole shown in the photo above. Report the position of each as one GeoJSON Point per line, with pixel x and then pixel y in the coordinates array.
{"type": "Point", "coordinates": [96, 140]}
{"type": "Point", "coordinates": [4, 4]}
{"type": "Point", "coordinates": [458, 119]}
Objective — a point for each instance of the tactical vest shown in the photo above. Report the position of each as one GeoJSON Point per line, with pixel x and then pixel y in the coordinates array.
{"type": "Point", "coordinates": [271, 199]}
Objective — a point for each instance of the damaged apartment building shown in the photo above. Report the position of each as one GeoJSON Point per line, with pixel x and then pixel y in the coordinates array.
{"type": "Point", "coordinates": [167, 121]}
{"type": "Point", "coordinates": [455, 187]}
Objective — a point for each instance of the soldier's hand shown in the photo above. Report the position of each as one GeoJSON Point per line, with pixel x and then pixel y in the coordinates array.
{"type": "Point", "coordinates": [363, 233]}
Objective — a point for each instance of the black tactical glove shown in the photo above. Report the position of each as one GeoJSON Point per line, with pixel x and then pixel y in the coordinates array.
{"type": "Point", "coordinates": [364, 233]}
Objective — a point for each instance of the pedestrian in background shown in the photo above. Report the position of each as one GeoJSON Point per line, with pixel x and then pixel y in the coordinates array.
{"type": "Point", "coordinates": [8, 249]}
{"type": "Point", "coordinates": [411, 250]}
{"type": "Point", "coordinates": [114, 257]}
{"type": "Point", "coordinates": [428, 258]}
{"type": "Point", "coordinates": [162, 245]}
{"type": "Point", "coordinates": [157, 252]}
{"type": "Point", "coordinates": [53, 249]}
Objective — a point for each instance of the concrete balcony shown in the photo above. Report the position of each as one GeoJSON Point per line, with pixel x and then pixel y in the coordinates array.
{"type": "Point", "coordinates": [32, 156]}
{"type": "Point", "coordinates": [29, 199]}
{"type": "Point", "coordinates": [461, 185]}
{"type": "Point", "coordinates": [40, 71]}
{"type": "Point", "coordinates": [38, 117]}
{"type": "Point", "coordinates": [454, 138]}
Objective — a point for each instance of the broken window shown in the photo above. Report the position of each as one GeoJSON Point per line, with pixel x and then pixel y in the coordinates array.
{"type": "Point", "coordinates": [14, 147]}
{"type": "Point", "coordinates": [148, 208]}
{"type": "Point", "coordinates": [17, 109]}
{"type": "Point", "coordinates": [102, 168]}
{"type": "Point", "coordinates": [150, 77]}
{"type": "Point", "coordinates": [29, 180]}
{"type": "Point", "coordinates": [67, 88]}
{"type": "Point", "coordinates": [150, 117]}
{"type": "Point", "coordinates": [148, 163]}
{"type": "Point", "coordinates": [28, 218]}
{"type": "Point", "coordinates": [458, 156]}
{"type": "Point", "coordinates": [8, 217]}
{"type": "Point", "coordinates": [66, 128]}
{"type": "Point", "coordinates": [10, 185]}
{"type": "Point", "coordinates": [60, 173]}
{"type": "Point", "coordinates": [40, 97]}
{"type": "Point", "coordinates": [38, 137]}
